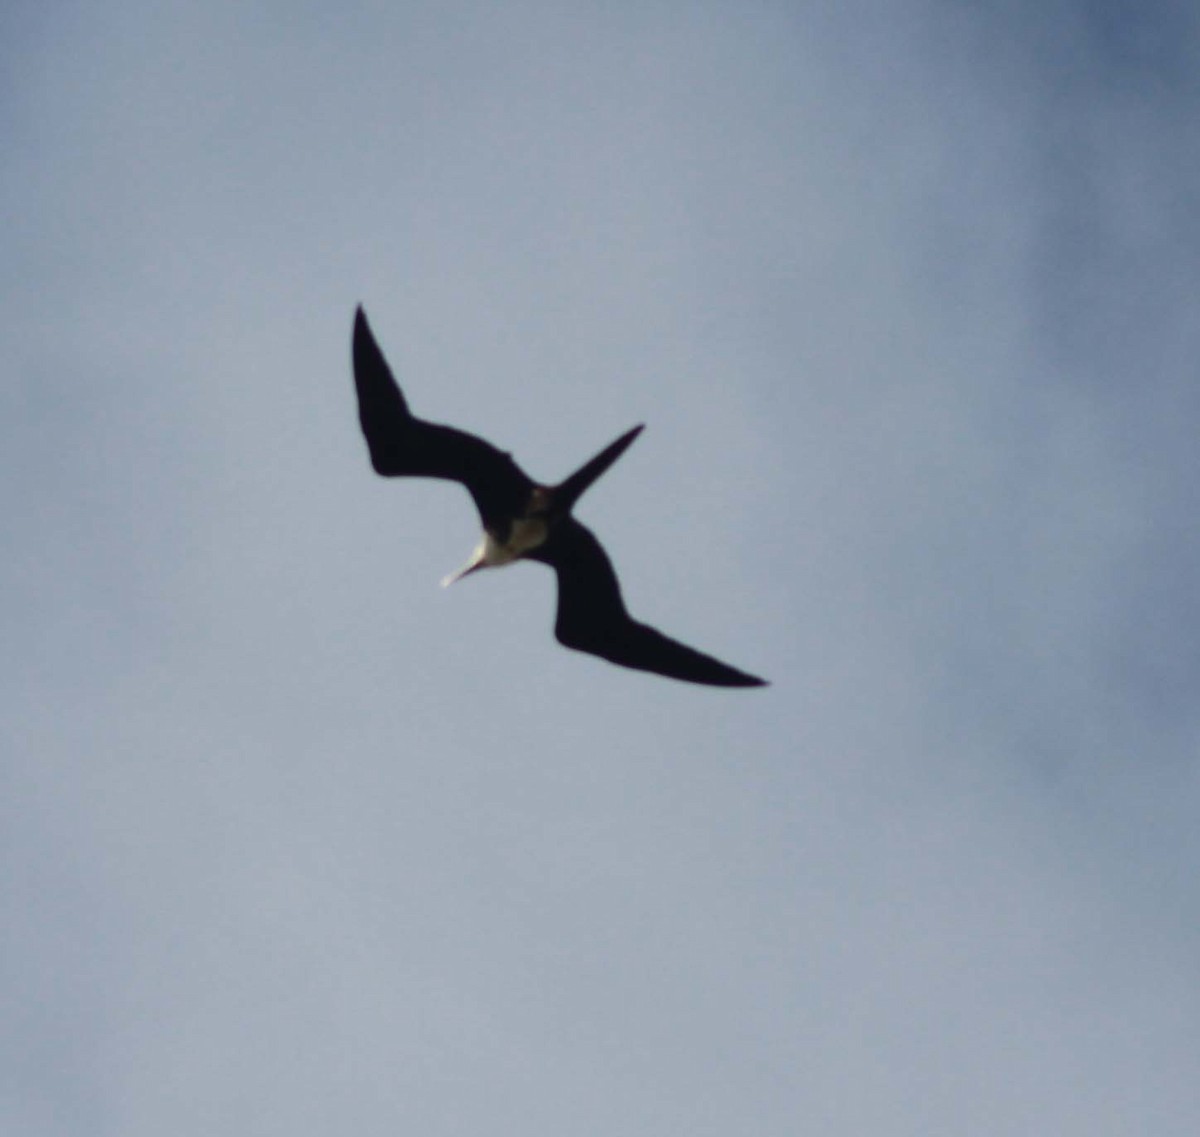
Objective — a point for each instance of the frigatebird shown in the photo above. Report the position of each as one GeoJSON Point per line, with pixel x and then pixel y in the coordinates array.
{"type": "Point", "coordinates": [524, 519]}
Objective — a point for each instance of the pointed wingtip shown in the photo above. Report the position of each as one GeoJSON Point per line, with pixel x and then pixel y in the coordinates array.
{"type": "Point", "coordinates": [737, 678]}
{"type": "Point", "coordinates": [363, 338]}
{"type": "Point", "coordinates": [362, 341]}
{"type": "Point", "coordinates": [627, 439]}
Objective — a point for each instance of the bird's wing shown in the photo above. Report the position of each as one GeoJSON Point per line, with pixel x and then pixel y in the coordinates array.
{"type": "Point", "coordinates": [592, 616]}
{"type": "Point", "coordinates": [402, 445]}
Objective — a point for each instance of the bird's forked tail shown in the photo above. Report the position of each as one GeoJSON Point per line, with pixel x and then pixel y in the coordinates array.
{"type": "Point", "coordinates": [567, 493]}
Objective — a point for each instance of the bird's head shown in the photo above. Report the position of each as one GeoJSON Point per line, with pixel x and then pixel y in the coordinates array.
{"type": "Point", "coordinates": [479, 559]}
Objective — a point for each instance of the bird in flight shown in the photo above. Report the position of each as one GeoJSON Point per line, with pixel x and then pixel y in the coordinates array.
{"type": "Point", "coordinates": [523, 519]}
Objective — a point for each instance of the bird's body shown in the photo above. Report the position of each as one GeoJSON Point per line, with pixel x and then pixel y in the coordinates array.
{"type": "Point", "coordinates": [524, 535]}
{"type": "Point", "coordinates": [523, 519]}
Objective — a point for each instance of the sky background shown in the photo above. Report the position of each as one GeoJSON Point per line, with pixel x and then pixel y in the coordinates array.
{"type": "Point", "coordinates": [294, 842]}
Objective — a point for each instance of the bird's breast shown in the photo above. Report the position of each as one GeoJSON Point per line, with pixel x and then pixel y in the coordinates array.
{"type": "Point", "coordinates": [526, 533]}
{"type": "Point", "coordinates": [502, 546]}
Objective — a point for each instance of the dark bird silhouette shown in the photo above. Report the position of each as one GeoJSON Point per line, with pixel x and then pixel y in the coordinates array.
{"type": "Point", "coordinates": [525, 519]}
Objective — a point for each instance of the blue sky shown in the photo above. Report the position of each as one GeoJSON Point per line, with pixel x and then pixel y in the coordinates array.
{"type": "Point", "coordinates": [296, 842]}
